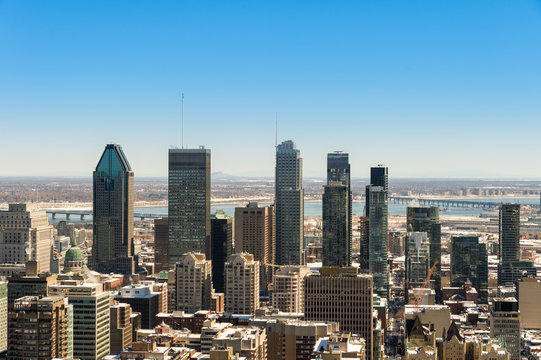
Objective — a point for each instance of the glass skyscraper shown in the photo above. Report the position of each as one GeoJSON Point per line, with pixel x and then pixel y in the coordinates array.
{"type": "Point", "coordinates": [337, 206]}
{"type": "Point", "coordinates": [189, 203]}
{"type": "Point", "coordinates": [112, 248]}
{"type": "Point", "coordinates": [378, 235]}
{"type": "Point", "coordinates": [289, 205]}
{"type": "Point", "coordinates": [469, 262]}
{"type": "Point", "coordinates": [509, 232]}
{"type": "Point", "coordinates": [379, 176]}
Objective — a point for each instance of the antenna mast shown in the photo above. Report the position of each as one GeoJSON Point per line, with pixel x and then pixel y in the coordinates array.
{"type": "Point", "coordinates": [183, 120]}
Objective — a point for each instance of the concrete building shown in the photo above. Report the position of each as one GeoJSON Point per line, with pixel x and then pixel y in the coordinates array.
{"type": "Point", "coordinates": [32, 283]}
{"type": "Point", "coordinates": [159, 288]}
{"type": "Point", "coordinates": [427, 219]}
{"type": "Point", "coordinates": [529, 293]}
{"type": "Point", "coordinates": [193, 279]}
{"type": "Point", "coordinates": [344, 296]}
{"type": "Point", "coordinates": [289, 202]}
{"type": "Point", "coordinates": [189, 203]}
{"type": "Point", "coordinates": [505, 324]}
{"type": "Point", "coordinates": [378, 239]}
{"type": "Point", "coordinates": [249, 342]}
{"type": "Point", "coordinates": [293, 339]}
{"type": "Point", "coordinates": [255, 234]}
{"type": "Point", "coordinates": [364, 243]}
{"type": "Point", "coordinates": [343, 346]}
{"type": "Point", "coordinates": [161, 244]}
{"type": "Point", "coordinates": [336, 226]}
{"type": "Point", "coordinates": [288, 290]}
{"type": "Point", "coordinates": [242, 284]}
{"type": "Point", "coordinates": [438, 316]}
{"type": "Point", "coordinates": [64, 228]}
{"type": "Point", "coordinates": [91, 326]}
{"type": "Point", "coordinates": [112, 247]}
{"type": "Point", "coordinates": [121, 327]}
{"type": "Point", "coordinates": [3, 316]}
{"type": "Point", "coordinates": [469, 262]}
{"type": "Point", "coordinates": [222, 247]}
{"type": "Point", "coordinates": [40, 328]}
{"type": "Point", "coordinates": [337, 211]}
{"type": "Point", "coordinates": [25, 235]}
{"type": "Point", "coordinates": [142, 300]}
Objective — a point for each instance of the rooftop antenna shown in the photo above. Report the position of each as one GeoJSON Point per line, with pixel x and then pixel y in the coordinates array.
{"type": "Point", "coordinates": [183, 120]}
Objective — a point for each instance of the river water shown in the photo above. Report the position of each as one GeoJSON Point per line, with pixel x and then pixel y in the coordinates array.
{"type": "Point", "coordinates": [313, 208]}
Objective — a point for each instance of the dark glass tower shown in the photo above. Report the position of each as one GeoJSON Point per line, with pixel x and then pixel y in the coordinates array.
{"type": "Point", "coordinates": [222, 248]}
{"type": "Point", "coordinates": [112, 248]}
{"type": "Point", "coordinates": [509, 232]}
{"type": "Point", "coordinates": [427, 219]}
{"type": "Point", "coordinates": [189, 203]}
{"type": "Point", "coordinates": [378, 239]}
{"type": "Point", "coordinates": [379, 176]}
{"type": "Point", "coordinates": [337, 208]}
{"type": "Point", "coordinates": [289, 205]}
{"type": "Point", "coordinates": [469, 262]}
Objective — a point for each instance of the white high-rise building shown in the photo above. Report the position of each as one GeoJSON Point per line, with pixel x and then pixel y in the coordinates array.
{"type": "Point", "coordinates": [242, 284]}
{"type": "Point", "coordinates": [288, 292]}
{"type": "Point", "coordinates": [25, 234]}
{"type": "Point", "coordinates": [193, 276]}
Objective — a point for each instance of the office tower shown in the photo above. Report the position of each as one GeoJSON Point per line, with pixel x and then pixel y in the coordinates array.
{"type": "Point", "coordinates": [364, 243]}
{"type": "Point", "coordinates": [90, 317]}
{"type": "Point", "coordinates": [341, 295]}
{"type": "Point", "coordinates": [469, 262]}
{"type": "Point", "coordinates": [242, 284]}
{"type": "Point", "coordinates": [142, 300]}
{"type": "Point", "coordinates": [222, 247]}
{"type": "Point", "coordinates": [189, 203]}
{"type": "Point", "coordinates": [121, 327]}
{"type": "Point", "coordinates": [63, 228]}
{"type": "Point", "coordinates": [379, 176]}
{"type": "Point", "coordinates": [427, 219]}
{"type": "Point", "coordinates": [396, 243]}
{"type": "Point", "coordinates": [336, 225]}
{"type": "Point", "coordinates": [254, 234]}
{"type": "Point", "coordinates": [289, 202]}
{"type": "Point", "coordinates": [378, 244]}
{"type": "Point", "coordinates": [193, 279]}
{"type": "Point", "coordinates": [32, 283]}
{"type": "Point", "coordinates": [161, 244]}
{"type": "Point", "coordinates": [3, 316]}
{"type": "Point", "coordinates": [288, 292]}
{"type": "Point", "coordinates": [505, 324]}
{"type": "Point", "coordinates": [26, 235]}
{"type": "Point", "coordinates": [417, 261]}
{"type": "Point", "coordinates": [511, 271]}
{"type": "Point", "coordinates": [159, 288]}
{"type": "Point", "coordinates": [40, 328]}
{"type": "Point", "coordinates": [112, 248]}
{"type": "Point", "coordinates": [509, 232]}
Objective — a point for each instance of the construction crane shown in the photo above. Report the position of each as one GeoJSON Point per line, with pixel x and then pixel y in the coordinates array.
{"type": "Point", "coordinates": [425, 284]}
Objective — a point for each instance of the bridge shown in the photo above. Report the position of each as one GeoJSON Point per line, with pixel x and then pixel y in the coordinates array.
{"type": "Point", "coordinates": [84, 213]}
{"type": "Point", "coordinates": [447, 203]}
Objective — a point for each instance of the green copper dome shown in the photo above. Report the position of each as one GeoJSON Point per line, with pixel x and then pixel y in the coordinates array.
{"type": "Point", "coordinates": [75, 254]}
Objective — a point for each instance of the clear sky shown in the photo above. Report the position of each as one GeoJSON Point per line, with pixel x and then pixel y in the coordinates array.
{"type": "Point", "coordinates": [430, 88]}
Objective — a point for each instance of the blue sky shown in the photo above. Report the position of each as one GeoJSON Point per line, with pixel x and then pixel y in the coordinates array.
{"type": "Point", "coordinates": [429, 88]}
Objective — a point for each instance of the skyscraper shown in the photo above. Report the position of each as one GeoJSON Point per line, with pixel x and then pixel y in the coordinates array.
{"type": "Point", "coordinates": [193, 281]}
{"type": "Point", "coordinates": [469, 262]}
{"type": "Point", "coordinates": [254, 234]}
{"type": "Point", "coordinates": [336, 227]}
{"type": "Point", "coordinates": [337, 208]}
{"type": "Point", "coordinates": [161, 244]}
{"type": "Point", "coordinates": [509, 232]}
{"type": "Point", "coordinates": [379, 176]}
{"type": "Point", "coordinates": [242, 284]}
{"type": "Point", "coordinates": [427, 219]}
{"type": "Point", "coordinates": [418, 260]}
{"type": "Point", "coordinates": [364, 243]}
{"type": "Point", "coordinates": [378, 245]}
{"type": "Point", "coordinates": [112, 248]}
{"type": "Point", "coordinates": [222, 247]}
{"type": "Point", "coordinates": [189, 203]}
{"type": "Point", "coordinates": [289, 203]}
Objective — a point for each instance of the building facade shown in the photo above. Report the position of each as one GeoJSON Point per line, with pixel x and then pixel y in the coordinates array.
{"type": "Point", "coordinates": [289, 202]}
{"type": "Point", "coordinates": [189, 203]}
{"type": "Point", "coordinates": [469, 262]}
{"type": "Point", "coordinates": [222, 247]}
{"type": "Point", "coordinates": [378, 239]}
{"type": "Point", "coordinates": [242, 284]}
{"type": "Point", "coordinates": [336, 226]}
{"type": "Point", "coordinates": [161, 244]}
{"type": "Point", "coordinates": [193, 280]}
{"type": "Point", "coordinates": [112, 247]}
{"type": "Point", "coordinates": [504, 317]}
{"type": "Point", "coordinates": [288, 290]}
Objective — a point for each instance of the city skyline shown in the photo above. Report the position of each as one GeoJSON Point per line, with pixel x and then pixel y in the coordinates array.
{"type": "Point", "coordinates": [455, 78]}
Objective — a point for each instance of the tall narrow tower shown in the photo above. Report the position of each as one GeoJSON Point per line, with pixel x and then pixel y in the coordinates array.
{"type": "Point", "coordinates": [112, 248]}
{"type": "Point", "coordinates": [189, 203]}
{"type": "Point", "coordinates": [289, 201]}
